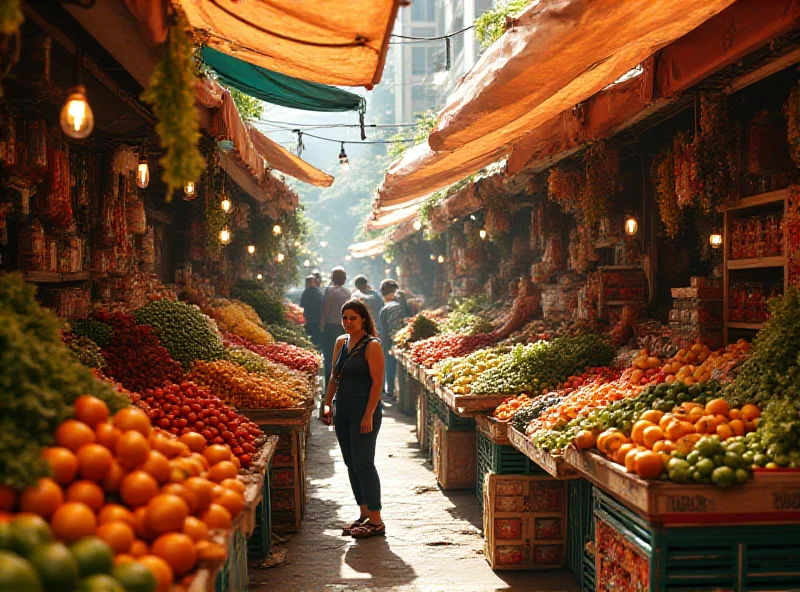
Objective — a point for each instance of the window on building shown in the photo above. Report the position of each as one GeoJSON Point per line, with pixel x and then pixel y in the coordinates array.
{"type": "Point", "coordinates": [423, 10]}
{"type": "Point", "coordinates": [419, 61]}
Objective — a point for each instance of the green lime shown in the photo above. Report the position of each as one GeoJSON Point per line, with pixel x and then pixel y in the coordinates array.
{"type": "Point", "coordinates": [719, 459]}
{"type": "Point", "coordinates": [732, 460]}
{"type": "Point", "coordinates": [737, 447]}
{"type": "Point", "coordinates": [28, 532]}
{"type": "Point", "coordinates": [135, 577]}
{"type": "Point", "coordinates": [57, 567]}
{"type": "Point", "coordinates": [742, 476]}
{"type": "Point", "coordinates": [693, 457]}
{"type": "Point", "coordinates": [748, 458]}
{"type": "Point", "coordinates": [705, 466]}
{"type": "Point", "coordinates": [100, 583]}
{"type": "Point", "coordinates": [761, 460]}
{"type": "Point", "coordinates": [677, 463]}
{"type": "Point", "coordinates": [782, 460]}
{"type": "Point", "coordinates": [679, 475]}
{"type": "Point", "coordinates": [93, 556]}
{"type": "Point", "coordinates": [697, 476]}
{"type": "Point", "coordinates": [723, 476]}
{"type": "Point", "coordinates": [17, 574]}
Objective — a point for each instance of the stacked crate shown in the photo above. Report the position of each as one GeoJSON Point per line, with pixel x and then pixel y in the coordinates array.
{"type": "Point", "coordinates": [454, 456]}
{"type": "Point", "coordinates": [499, 459]}
{"type": "Point", "coordinates": [697, 314]}
{"type": "Point", "coordinates": [287, 476]}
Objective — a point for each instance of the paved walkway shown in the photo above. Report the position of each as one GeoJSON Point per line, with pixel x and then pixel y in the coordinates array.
{"type": "Point", "coordinates": [433, 540]}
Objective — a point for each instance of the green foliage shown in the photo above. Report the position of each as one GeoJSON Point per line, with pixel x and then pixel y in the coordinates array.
{"type": "Point", "coordinates": [267, 303]}
{"type": "Point", "coordinates": [250, 108]}
{"type": "Point", "coordinates": [491, 25]}
{"type": "Point", "coordinates": [98, 332]}
{"type": "Point", "coordinates": [425, 123]}
{"type": "Point", "coordinates": [422, 328]}
{"type": "Point", "coordinates": [465, 323]}
{"type": "Point", "coordinates": [171, 95]}
{"type": "Point", "coordinates": [10, 16]}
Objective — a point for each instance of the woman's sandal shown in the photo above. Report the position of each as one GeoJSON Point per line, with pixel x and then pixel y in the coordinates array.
{"type": "Point", "coordinates": [347, 530]}
{"type": "Point", "coordinates": [367, 530]}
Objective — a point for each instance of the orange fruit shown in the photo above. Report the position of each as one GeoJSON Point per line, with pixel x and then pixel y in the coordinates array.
{"type": "Point", "coordinates": [114, 478]}
{"type": "Point", "coordinates": [216, 453]}
{"type": "Point", "coordinates": [123, 558]}
{"type": "Point", "coordinates": [750, 412]}
{"type": "Point", "coordinates": [217, 517]}
{"type": "Point", "coordinates": [187, 495]}
{"type": "Point", "coordinates": [665, 420]}
{"type": "Point", "coordinates": [117, 534]}
{"type": "Point", "coordinates": [166, 512]}
{"type": "Point", "coordinates": [87, 492]}
{"type": "Point", "coordinates": [222, 470]}
{"type": "Point", "coordinates": [233, 501]}
{"type": "Point", "coordinates": [132, 418]}
{"type": "Point", "coordinates": [737, 425]}
{"type": "Point", "coordinates": [115, 513]}
{"type": "Point", "coordinates": [177, 549]}
{"type": "Point", "coordinates": [8, 498]}
{"type": "Point", "coordinates": [649, 464]}
{"type": "Point", "coordinates": [107, 435]}
{"type": "Point", "coordinates": [41, 499]}
{"type": "Point", "coordinates": [622, 452]}
{"type": "Point", "coordinates": [161, 571]}
{"type": "Point", "coordinates": [94, 461]}
{"type": "Point", "coordinates": [637, 435]}
{"type": "Point", "coordinates": [652, 415]}
{"type": "Point", "coordinates": [236, 462]}
{"type": "Point", "coordinates": [196, 442]}
{"type": "Point", "coordinates": [137, 488]}
{"type": "Point", "coordinates": [72, 434]}
{"type": "Point", "coordinates": [196, 529]}
{"type": "Point", "coordinates": [156, 465]}
{"type": "Point", "coordinates": [630, 460]}
{"type": "Point", "coordinates": [73, 521]}
{"type": "Point", "coordinates": [203, 489]}
{"type": "Point", "coordinates": [182, 449]}
{"type": "Point", "coordinates": [194, 466]}
{"type": "Point", "coordinates": [651, 435]}
{"type": "Point", "coordinates": [139, 548]}
{"type": "Point", "coordinates": [63, 464]}
{"type": "Point", "coordinates": [725, 431]}
{"type": "Point", "coordinates": [141, 527]}
{"type": "Point", "coordinates": [200, 459]}
{"type": "Point", "coordinates": [132, 449]}
{"type": "Point", "coordinates": [91, 410]}
{"type": "Point", "coordinates": [717, 407]}
{"type": "Point", "coordinates": [211, 552]}
{"type": "Point", "coordinates": [735, 414]}
{"type": "Point", "coordinates": [234, 484]}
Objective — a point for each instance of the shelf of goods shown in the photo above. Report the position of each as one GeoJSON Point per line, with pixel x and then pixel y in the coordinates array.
{"type": "Point", "coordinates": [47, 277]}
{"type": "Point", "coordinates": [755, 260]}
{"type": "Point", "coordinates": [524, 522]}
{"type": "Point", "coordinates": [554, 464]}
{"type": "Point", "coordinates": [621, 285]}
{"type": "Point", "coordinates": [634, 554]}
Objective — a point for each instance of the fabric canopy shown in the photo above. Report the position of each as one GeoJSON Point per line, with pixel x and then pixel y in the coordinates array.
{"type": "Point", "coordinates": [279, 158]}
{"type": "Point", "coordinates": [559, 53]}
{"type": "Point", "coordinates": [325, 41]}
{"type": "Point", "coordinates": [279, 89]}
{"type": "Point", "coordinates": [393, 217]}
{"type": "Point", "coordinates": [368, 248]}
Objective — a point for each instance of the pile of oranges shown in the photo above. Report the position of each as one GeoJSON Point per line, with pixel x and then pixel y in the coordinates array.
{"type": "Point", "coordinates": [152, 498]}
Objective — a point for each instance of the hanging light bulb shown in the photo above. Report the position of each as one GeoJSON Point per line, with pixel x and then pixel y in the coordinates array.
{"type": "Point", "coordinates": [225, 236]}
{"type": "Point", "coordinates": [259, 277]}
{"type": "Point", "coordinates": [441, 259]}
{"type": "Point", "coordinates": [631, 225]}
{"type": "Point", "coordinates": [306, 263]}
{"type": "Point", "coordinates": [417, 225]}
{"type": "Point", "coordinates": [433, 257]}
{"type": "Point", "coordinates": [77, 119]}
{"type": "Point", "coordinates": [276, 230]}
{"type": "Point", "coordinates": [251, 249]}
{"type": "Point", "coordinates": [143, 170]}
{"type": "Point", "coordinates": [482, 234]}
{"type": "Point", "coordinates": [344, 162]}
{"type": "Point", "coordinates": [715, 240]}
{"type": "Point", "coordinates": [189, 190]}
{"type": "Point", "coordinates": [226, 205]}
{"type": "Point", "coordinates": [281, 257]}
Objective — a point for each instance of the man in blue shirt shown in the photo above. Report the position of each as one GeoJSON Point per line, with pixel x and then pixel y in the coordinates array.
{"type": "Point", "coordinates": [311, 303]}
{"type": "Point", "coordinates": [390, 321]}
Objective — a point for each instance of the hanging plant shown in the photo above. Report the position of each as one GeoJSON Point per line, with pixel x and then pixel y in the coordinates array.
{"type": "Point", "coordinates": [664, 179]}
{"type": "Point", "coordinates": [792, 111]}
{"type": "Point", "coordinates": [715, 162]}
{"type": "Point", "coordinates": [683, 161]}
{"type": "Point", "coordinates": [564, 188]}
{"type": "Point", "coordinates": [171, 95]}
{"type": "Point", "coordinates": [10, 16]}
{"type": "Point", "coordinates": [602, 178]}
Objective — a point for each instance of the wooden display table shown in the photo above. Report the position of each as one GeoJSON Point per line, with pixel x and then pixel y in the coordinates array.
{"type": "Point", "coordinates": [554, 464]}
{"type": "Point", "coordinates": [469, 405]}
{"type": "Point", "coordinates": [292, 416]}
{"type": "Point", "coordinates": [493, 428]}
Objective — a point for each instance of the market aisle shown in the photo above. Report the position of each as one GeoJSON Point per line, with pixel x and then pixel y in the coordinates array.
{"type": "Point", "coordinates": [433, 541]}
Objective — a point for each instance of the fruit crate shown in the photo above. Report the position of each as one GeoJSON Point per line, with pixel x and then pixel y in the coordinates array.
{"type": "Point", "coordinates": [498, 459]}
{"type": "Point", "coordinates": [260, 542]}
{"type": "Point", "coordinates": [233, 576]}
{"type": "Point", "coordinates": [287, 479]}
{"type": "Point", "coordinates": [705, 558]}
{"type": "Point", "coordinates": [454, 457]}
{"type": "Point", "coordinates": [449, 417]}
{"type": "Point", "coordinates": [580, 528]}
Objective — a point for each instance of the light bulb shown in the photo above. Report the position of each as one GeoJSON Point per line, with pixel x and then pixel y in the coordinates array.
{"type": "Point", "coordinates": [433, 257]}
{"type": "Point", "coordinates": [482, 233]}
{"type": "Point", "coordinates": [345, 166]}
{"type": "Point", "coordinates": [715, 240]}
{"type": "Point", "coordinates": [441, 259]}
{"type": "Point", "coordinates": [251, 249]}
{"type": "Point", "coordinates": [631, 225]}
{"type": "Point", "coordinates": [77, 119]}
{"type": "Point", "coordinates": [189, 189]}
{"type": "Point", "coordinates": [417, 225]}
{"type": "Point", "coordinates": [276, 230]}
{"type": "Point", "coordinates": [297, 244]}
{"type": "Point", "coordinates": [281, 257]}
{"type": "Point", "coordinates": [323, 244]}
{"type": "Point", "coordinates": [344, 162]}
{"type": "Point", "coordinates": [259, 277]}
{"type": "Point", "coordinates": [143, 175]}
{"type": "Point", "coordinates": [225, 236]}
{"type": "Point", "coordinates": [306, 263]}
{"type": "Point", "coordinates": [226, 205]}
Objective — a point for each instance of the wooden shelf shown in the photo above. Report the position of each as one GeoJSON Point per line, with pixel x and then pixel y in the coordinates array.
{"type": "Point", "coordinates": [747, 326]}
{"type": "Point", "coordinates": [606, 244]}
{"type": "Point", "coordinates": [621, 268]}
{"type": "Point", "coordinates": [760, 199]}
{"type": "Point", "coordinates": [624, 302]}
{"type": "Point", "coordinates": [757, 262]}
{"type": "Point", "coordinates": [52, 277]}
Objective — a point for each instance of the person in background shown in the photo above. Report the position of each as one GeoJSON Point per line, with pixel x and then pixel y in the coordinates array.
{"type": "Point", "coordinates": [368, 296]}
{"type": "Point", "coordinates": [311, 303]}
{"type": "Point", "coordinates": [330, 323]}
{"type": "Point", "coordinates": [318, 277]}
{"type": "Point", "coordinates": [390, 321]}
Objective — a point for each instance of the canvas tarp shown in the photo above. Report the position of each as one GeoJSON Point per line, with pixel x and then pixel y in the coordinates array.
{"type": "Point", "coordinates": [559, 53]}
{"type": "Point", "coordinates": [389, 218]}
{"type": "Point", "coordinates": [277, 88]}
{"type": "Point", "coordinates": [325, 41]}
{"type": "Point", "coordinates": [281, 159]}
{"type": "Point", "coordinates": [368, 248]}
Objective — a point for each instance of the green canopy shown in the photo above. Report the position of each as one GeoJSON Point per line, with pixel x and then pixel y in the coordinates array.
{"type": "Point", "coordinates": [279, 89]}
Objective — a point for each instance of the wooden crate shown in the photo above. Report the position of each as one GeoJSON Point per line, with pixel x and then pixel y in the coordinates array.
{"type": "Point", "coordinates": [492, 428]}
{"type": "Point", "coordinates": [524, 522]}
{"type": "Point", "coordinates": [554, 464]}
{"type": "Point", "coordinates": [422, 420]}
{"type": "Point", "coordinates": [288, 480]}
{"type": "Point", "coordinates": [454, 457]}
{"type": "Point", "coordinates": [469, 405]}
{"type": "Point", "coordinates": [769, 497]}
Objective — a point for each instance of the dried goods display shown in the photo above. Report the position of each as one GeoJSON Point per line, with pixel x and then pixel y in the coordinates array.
{"type": "Point", "coordinates": [757, 236]}
{"type": "Point", "coordinates": [441, 347]}
{"type": "Point", "coordinates": [749, 301]}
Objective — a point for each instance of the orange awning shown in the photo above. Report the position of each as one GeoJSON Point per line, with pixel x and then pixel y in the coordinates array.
{"type": "Point", "coordinates": [326, 41]}
{"type": "Point", "coordinates": [385, 219]}
{"type": "Point", "coordinates": [279, 158]}
{"type": "Point", "coordinates": [559, 53]}
{"type": "Point", "coordinates": [368, 248]}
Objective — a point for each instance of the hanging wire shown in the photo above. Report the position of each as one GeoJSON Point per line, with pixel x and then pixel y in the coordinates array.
{"type": "Point", "coordinates": [411, 39]}
{"type": "Point", "coordinates": [398, 140]}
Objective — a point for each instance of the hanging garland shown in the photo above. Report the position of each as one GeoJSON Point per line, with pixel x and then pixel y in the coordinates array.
{"type": "Point", "coordinates": [792, 111]}
{"type": "Point", "coordinates": [663, 175]}
{"type": "Point", "coordinates": [683, 161]}
{"type": "Point", "coordinates": [715, 162]}
{"type": "Point", "coordinates": [171, 95]}
{"type": "Point", "coordinates": [564, 188]}
{"type": "Point", "coordinates": [10, 16]}
{"type": "Point", "coordinates": [602, 178]}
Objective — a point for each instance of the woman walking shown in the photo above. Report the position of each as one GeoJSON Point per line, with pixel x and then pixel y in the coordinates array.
{"type": "Point", "coordinates": [356, 382]}
{"type": "Point", "coordinates": [330, 325]}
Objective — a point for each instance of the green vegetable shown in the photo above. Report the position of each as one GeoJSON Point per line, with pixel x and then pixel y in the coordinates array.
{"type": "Point", "coordinates": [422, 328]}
{"type": "Point", "coordinates": [87, 352]}
{"type": "Point", "coordinates": [292, 334]}
{"type": "Point", "coordinates": [98, 332]}
{"type": "Point", "coordinates": [268, 304]}
{"type": "Point", "coordinates": [465, 323]}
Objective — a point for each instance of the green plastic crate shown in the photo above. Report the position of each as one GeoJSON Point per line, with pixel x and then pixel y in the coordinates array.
{"type": "Point", "coordinates": [260, 542]}
{"type": "Point", "coordinates": [233, 576]}
{"type": "Point", "coordinates": [587, 580]}
{"type": "Point", "coordinates": [580, 524]}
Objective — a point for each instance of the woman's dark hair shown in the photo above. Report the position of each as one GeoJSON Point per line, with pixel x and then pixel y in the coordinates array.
{"type": "Point", "coordinates": [339, 276]}
{"type": "Point", "coordinates": [361, 310]}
